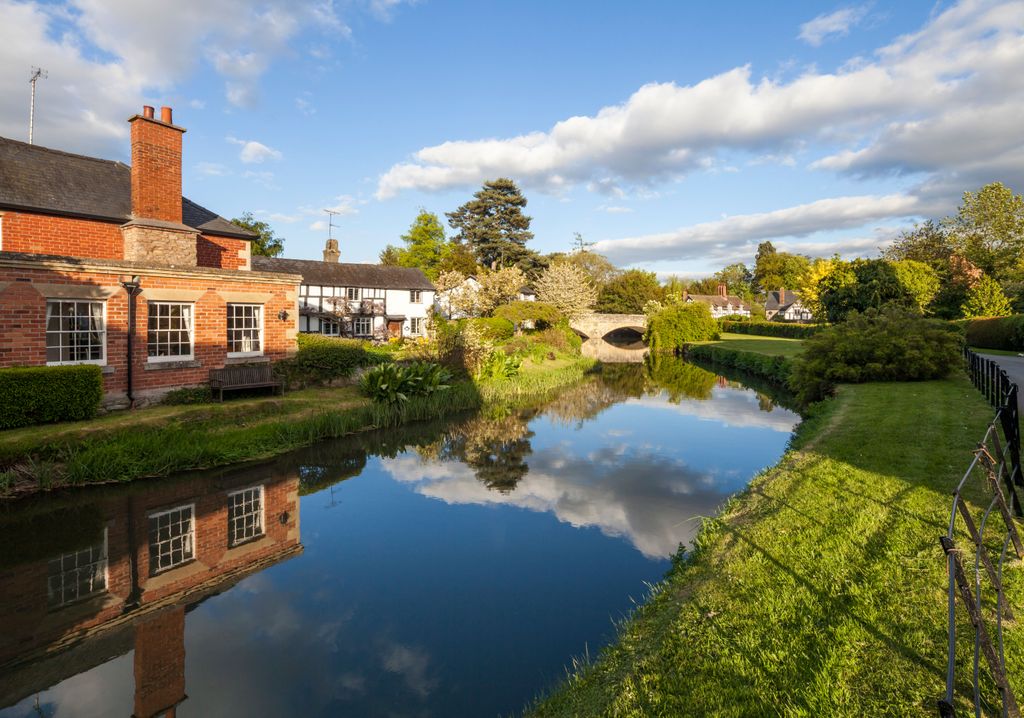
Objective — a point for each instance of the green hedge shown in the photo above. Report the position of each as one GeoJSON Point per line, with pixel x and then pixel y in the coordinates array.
{"type": "Point", "coordinates": [775, 369]}
{"type": "Point", "coordinates": [771, 329]}
{"type": "Point", "coordinates": [322, 358]}
{"type": "Point", "coordinates": [45, 394]}
{"type": "Point", "coordinates": [671, 328]}
{"type": "Point", "coordinates": [496, 329]}
{"type": "Point", "coordinates": [995, 332]}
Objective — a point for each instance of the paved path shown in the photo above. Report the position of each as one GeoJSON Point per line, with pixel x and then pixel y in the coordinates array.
{"type": "Point", "coordinates": [1013, 366]}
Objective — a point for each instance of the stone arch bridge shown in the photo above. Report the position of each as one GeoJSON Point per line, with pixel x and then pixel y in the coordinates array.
{"type": "Point", "coordinates": [598, 326]}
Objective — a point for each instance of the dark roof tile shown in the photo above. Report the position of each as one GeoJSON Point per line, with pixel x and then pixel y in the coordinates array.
{"type": "Point", "coordinates": [341, 274]}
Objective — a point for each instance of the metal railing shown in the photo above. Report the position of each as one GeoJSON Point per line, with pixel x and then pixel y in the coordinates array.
{"type": "Point", "coordinates": [996, 466]}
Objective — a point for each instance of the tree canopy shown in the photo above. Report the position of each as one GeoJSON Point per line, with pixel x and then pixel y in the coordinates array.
{"type": "Point", "coordinates": [775, 270]}
{"type": "Point", "coordinates": [568, 288]}
{"type": "Point", "coordinates": [267, 244]}
{"type": "Point", "coordinates": [628, 292]}
{"type": "Point", "coordinates": [494, 227]}
{"type": "Point", "coordinates": [425, 246]}
{"type": "Point", "coordinates": [876, 283]}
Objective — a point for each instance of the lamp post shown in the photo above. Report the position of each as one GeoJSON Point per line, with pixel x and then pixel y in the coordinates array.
{"type": "Point", "coordinates": [134, 289]}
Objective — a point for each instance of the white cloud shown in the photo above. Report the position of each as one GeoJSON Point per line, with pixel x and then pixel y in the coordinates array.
{"type": "Point", "coordinates": [197, 104]}
{"type": "Point", "coordinates": [253, 152]}
{"type": "Point", "coordinates": [725, 237]}
{"type": "Point", "coordinates": [212, 169]}
{"type": "Point", "coordinates": [615, 209]}
{"type": "Point", "coordinates": [318, 226]}
{"type": "Point", "coordinates": [305, 106]}
{"type": "Point", "coordinates": [344, 205]}
{"type": "Point", "coordinates": [838, 23]}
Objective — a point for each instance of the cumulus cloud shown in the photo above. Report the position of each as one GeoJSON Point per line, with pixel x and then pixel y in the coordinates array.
{"type": "Point", "coordinates": [253, 152]}
{"type": "Point", "coordinates": [838, 23]}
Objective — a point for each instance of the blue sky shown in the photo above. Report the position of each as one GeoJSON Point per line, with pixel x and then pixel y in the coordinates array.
{"type": "Point", "coordinates": [676, 135]}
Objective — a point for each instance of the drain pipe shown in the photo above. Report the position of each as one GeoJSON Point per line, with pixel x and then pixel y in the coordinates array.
{"type": "Point", "coordinates": [134, 289]}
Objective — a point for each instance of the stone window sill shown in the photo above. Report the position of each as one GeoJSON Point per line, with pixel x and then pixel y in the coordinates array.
{"type": "Point", "coordinates": [107, 369]}
{"type": "Point", "coordinates": [161, 365]}
{"type": "Point", "coordinates": [246, 360]}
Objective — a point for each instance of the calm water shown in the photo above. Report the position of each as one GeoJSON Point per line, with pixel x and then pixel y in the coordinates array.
{"type": "Point", "coordinates": [443, 570]}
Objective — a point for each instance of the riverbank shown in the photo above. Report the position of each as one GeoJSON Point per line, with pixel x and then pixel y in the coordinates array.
{"type": "Point", "coordinates": [820, 589]}
{"type": "Point", "coordinates": [165, 440]}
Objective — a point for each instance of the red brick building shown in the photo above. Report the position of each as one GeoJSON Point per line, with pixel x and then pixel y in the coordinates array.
{"type": "Point", "coordinates": [126, 583]}
{"type": "Point", "coordinates": [83, 238]}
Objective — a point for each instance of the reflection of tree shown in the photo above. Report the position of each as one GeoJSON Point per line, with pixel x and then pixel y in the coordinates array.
{"type": "Point", "coordinates": [495, 447]}
{"type": "Point", "coordinates": [680, 379]}
{"type": "Point", "coordinates": [586, 400]}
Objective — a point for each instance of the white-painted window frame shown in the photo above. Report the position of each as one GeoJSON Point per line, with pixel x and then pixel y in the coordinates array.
{"type": "Point", "coordinates": [191, 332]}
{"type": "Point", "coordinates": [233, 541]}
{"type": "Point", "coordinates": [104, 559]}
{"type": "Point", "coordinates": [102, 361]}
{"type": "Point", "coordinates": [262, 335]}
{"type": "Point", "coordinates": [193, 532]}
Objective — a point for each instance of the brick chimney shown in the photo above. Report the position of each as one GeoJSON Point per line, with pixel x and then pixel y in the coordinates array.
{"type": "Point", "coordinates": [723, 290]}
{"type": "Point", "coordinates": [782, 296]}
{"type": "Point", "coordinates": [160, 663]}
{"type": "Point", "coordinates": [155, 232]}
{"type": "Point", "coordinates": [331, 253]}
{"type": "Point", "coordinates": [156, 166]}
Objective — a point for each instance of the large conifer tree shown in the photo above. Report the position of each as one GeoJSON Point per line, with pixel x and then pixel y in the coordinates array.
{"type": "Point", "coordinates": [493, 225]}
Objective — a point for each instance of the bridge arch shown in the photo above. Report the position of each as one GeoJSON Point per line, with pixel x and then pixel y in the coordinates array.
{"type": "Point", "coordinates": [598, 326]}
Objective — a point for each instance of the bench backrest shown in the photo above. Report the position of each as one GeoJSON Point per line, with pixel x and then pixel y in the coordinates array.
{"type": "Point", "coordinates": [244, 374]}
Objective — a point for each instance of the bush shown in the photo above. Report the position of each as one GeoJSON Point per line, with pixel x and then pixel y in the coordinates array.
{"type": "Point", "coordinates": [775, 369]}
{"type": "Point", "coordinates": [322, 358]}
{"type": "Point", "coordinates": [879, 345]}
{"type": "Point", "coordinates": [397, 383]}
{"type": "Point", "coordinates": [46, 394]}
{"type": "Point", "coordinates": [495, 329]}
{"type": "Point", "coordinates": [561, 338]}
{"type": "Point", "coordinates": [770, 329]}
{"type": "Point", "coordinates": [541, 314]}
{"type": "Point", "coordinates": [499, 365]}
{"type": "Point", "coordinates": [188, 395]}
{"type": "Point", "coordinates": [995, 332]}
{"type": "Point", "coordinates": [672, 327]}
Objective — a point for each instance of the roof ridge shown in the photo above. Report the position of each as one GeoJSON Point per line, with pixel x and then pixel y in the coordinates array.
{"type": "Point", "coordinates": [64, 152]}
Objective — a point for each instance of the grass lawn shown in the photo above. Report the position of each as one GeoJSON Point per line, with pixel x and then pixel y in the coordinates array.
{"type": "Point", "coordinates": [771, 346]}
{"type": "Point", "coordinates": [997, 352]}
{"type": "Point", "coordinates": [820, 591]}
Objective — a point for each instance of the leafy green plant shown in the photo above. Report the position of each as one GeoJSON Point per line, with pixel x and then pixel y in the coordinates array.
{"type": "Point", "coordinates": [995, 332]}
{"type": "Point", "coordinates": [541, 314]}
{"type": "Point", "coordinates": [46, 394]}
{"type": "Point", "coordinates": [879, 345]}
{"type": "Point", "coordinates": [499, 365]}
{"type": "Point", "coordinates": [670, 328]}
{"type": "Point", "coordinates": [323, 358]}
{"type": "Point", "coordinates": [397, 383]}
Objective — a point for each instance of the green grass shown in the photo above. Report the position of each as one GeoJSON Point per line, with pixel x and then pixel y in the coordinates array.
{"type": "Point", "coordinates": [997, 352]}
{"type": "Point", "coordinates": [771, 346]}
{"type": "Point", "coordinates": [819, 591]}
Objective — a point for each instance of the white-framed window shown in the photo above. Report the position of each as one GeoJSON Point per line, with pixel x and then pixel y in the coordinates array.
{"type": "Point", "coordinates": [245, 515]}
{"type": "Point", "coordinates": [77, 575]}
{"type": "Point", "coordinates": [372, 293]}
{"type": "Point", "coordinates": [362, 326]}
{"type": "Point", "coordinates": [416, 326]}
{"type": "Point", "coordinates": [352, 293]}
{"type": "Point", "coordinates": [76, 332]}
{"type": "Point", "coordinates": [170, 331]}
{"type": "Point", "coordinates": [415, 296]}
{"type": "Point", "coordinates": [245, 329]}
{"type": "Point", "coordinates": [172, 538]}
{"type": "Point", "coordinates": [330, 328]}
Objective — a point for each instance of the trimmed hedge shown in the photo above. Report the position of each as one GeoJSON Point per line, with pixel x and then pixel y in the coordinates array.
{"type": "Point", "coordinates": [775, 369]}
{"type": "Point", "coordinates": [771, 329]}
{"type": "Point", "coordinates": [995, 332]}
{"type": "Point", "coordinates": [540, 313]}
{"type": "Point", "coordinates": [47, 394]}
{"type": "Point", "coordinates": [495, 329]}
{"type": "Point", "coordinates": [321, 358]}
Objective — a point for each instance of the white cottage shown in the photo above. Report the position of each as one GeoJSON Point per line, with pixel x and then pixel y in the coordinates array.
{"type": "Point", "coordinates": [721, 304]}
{"type": "Point", "coordinates": [785, 305]}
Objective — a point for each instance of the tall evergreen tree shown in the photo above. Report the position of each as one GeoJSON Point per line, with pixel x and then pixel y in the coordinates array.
{"type": "Point", "coordinates": [493, 225]}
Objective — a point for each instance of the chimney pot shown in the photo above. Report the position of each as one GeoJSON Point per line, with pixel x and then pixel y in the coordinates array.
{"type": "Point", "coordinates": [166, 115]}
{"type": "Point", "coordinates": [147, 112]}
{"type": "Point", "coordinates": [723, 290]}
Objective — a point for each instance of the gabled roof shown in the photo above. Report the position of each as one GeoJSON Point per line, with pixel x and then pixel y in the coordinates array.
{"type": "Point", "coordinates": [777, 302]}
{"type": "Point", "coordinates": [717, 300]}
{"type": "Point", "coordinates": [340, 274]}
{"type": "Point", "coordinates": [38, 179]}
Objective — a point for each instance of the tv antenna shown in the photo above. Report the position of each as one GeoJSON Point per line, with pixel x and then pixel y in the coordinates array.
{"type": "Point", "coordinates": [578, 245]}
{"type": "Point", "coordinates": [37, 73]}
{"type": "Point", "coordinates": [331, 213]}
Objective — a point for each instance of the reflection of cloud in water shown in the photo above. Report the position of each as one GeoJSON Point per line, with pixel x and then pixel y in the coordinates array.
{"type": "Point", "coordinates": [646, 498]}
{"type": "Point", "coordinates": [732, 407]}
{"type": "Point", "coordinates": [412, 665]}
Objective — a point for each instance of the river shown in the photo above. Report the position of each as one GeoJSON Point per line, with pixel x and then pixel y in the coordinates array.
{"type": "Point", "coordinates": [448, 569]}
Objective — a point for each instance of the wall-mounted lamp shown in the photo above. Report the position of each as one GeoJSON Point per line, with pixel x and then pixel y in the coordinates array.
{"type": "Point", "coordinates": [283, 315]}
{"type": "Point", "coordinates": [283, 518]}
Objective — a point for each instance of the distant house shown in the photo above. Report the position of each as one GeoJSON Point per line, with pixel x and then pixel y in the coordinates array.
{"type": "Point", "coordinates": [447, 300]}
{"type": "Point", "coordinates": [784, 305]}
{"type": "Point", "coordinates": [721, 304]}
{"type": "Point", "coordinates": [368, 301]}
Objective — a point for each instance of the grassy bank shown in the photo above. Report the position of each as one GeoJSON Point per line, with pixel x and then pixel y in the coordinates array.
{"type": "Point", "coordinates": [769, 346]}
{"type": "Point", "coordinates": [768, 358]}
{"type": "Point", "coordinates": [820, 589]}
{"type": "Point", "coordinates": [165, 440]}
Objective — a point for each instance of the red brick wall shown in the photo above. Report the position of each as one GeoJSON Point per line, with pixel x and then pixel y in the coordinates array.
{"type": "Point", "coordinates": [159, 662]}
{"type": "Point", "coordinates": [156, 170]}
{"type": "Point", "coordinates": [23, 330]}
{"type": "Point", "coordinates": [220, 252]}
{"type": "Point", "coordinates": [63, 236]}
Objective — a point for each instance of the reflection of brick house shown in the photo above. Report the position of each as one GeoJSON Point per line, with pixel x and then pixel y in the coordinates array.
{"type": "Point", "coordinates": [75, 230]}
{"type": "Point", "coordinates": [721, 304]}
{"type": "Point", "coordinates": [156, 553]}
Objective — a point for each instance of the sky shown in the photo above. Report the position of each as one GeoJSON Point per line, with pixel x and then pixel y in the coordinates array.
{"type": "Point", "coordinates": [675, 136]}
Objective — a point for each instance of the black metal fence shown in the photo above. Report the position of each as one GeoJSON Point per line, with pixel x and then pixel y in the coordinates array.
{"type": "Point", "coordinates": [996, 467]}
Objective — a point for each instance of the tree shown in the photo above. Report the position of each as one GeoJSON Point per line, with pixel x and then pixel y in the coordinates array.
{"type": "Point", "coordinates": [628, 292]}
{"type": "Point", "coordinates": [989, 230]}
{"type": "Point", "coordinates": [493, 225]}
{"type": "Point", "coordinates": [738, 279]}
{"type": "Point", "coordinates": [775, 270]}
{"type": "Point", "coordinates": [876, 283]}
{"type": "Point", "coordinates": [929, 243]}
{"type": "Point", "coordinates": [266, 244]}
{"type": "Point", "coordinates": [495, 289]}
{"type": "Point", "coordinates": [919, 281]}
{"type": "Point", "coordinates": [390, 256]}
{"type": "Point", "coordinates": [810, 289]}
{"type": "Point", "coordinates": [568, 288]}
{"type": "Point", "coordinates": [448, 286]}
{"type": "Point", "coordinates": [596, 266]}
{"type": "Point", "coordinates": [425, 244]}
{"type": "Point", "coordinates": [986, 299]}
{"type": "Point", "coordinates": [458, 257]}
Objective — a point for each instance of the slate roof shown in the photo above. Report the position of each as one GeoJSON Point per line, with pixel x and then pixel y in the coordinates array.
{"type": "Point", "coordinates": [717, 300]}
{"type": "Point", "coordinates": [777, 302]}
{"type": "Point", "coordinates": [341, 274]}
{"type": "Point", "coordinates": [35, 178]}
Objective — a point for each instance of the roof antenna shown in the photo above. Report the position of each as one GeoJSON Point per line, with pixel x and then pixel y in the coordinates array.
{"type": "Point", "coordinates": [330, 222]}
{"type": "Point", "coordinates": [37, 72]}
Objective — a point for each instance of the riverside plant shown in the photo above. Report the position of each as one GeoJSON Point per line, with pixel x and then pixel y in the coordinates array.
{"type": "Point", "coordinates": [396, 383]}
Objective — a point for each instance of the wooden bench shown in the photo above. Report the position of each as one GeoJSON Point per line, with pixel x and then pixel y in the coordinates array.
{"type": "Point", "coordinates": [243, 376]}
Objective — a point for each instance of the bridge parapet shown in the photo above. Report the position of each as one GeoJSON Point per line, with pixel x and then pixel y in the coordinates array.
{"type": "Point", "coordinates": [596, 326]}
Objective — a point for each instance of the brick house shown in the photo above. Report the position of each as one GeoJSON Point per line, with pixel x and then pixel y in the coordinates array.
{"type": "Point", "coordinates": [75, 601]}
{"type": "Point", "coordinates": [82, 239]}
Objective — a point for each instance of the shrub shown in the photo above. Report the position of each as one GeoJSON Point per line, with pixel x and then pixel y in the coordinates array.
{"type": "Point", "coordinates": [45, 394]}
{"type": "Point", "coordinates": [775, 369]}
{"type": "Point", "coordinates": [560, 338]}
{"type": "Point", "coordinates": [541, 314]}
{"type": "Point", "coordinates": [495, 329]}
{"type": "Point", "coordinates": [188, 395]}
{"type": "Point", "coordinates": [879, 345]}
{"type": "Point", "coordinates": [499, 365]}
{"type": "Point", "coordinates": [770, 329]}
{"type": "Point", "coordinates": [322, 358]}
{"type": "Point", "coordinates": [672, 327]}
{"type": "Point", "coordinates": [995, 332]}
{"type": "Point", "coordinates": [397, 383]}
